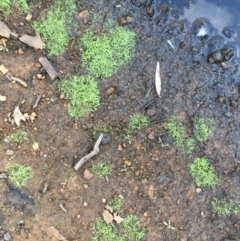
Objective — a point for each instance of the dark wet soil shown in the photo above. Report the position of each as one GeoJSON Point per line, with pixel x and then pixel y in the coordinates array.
{"type": "Point", "coordinates": [155, 183]}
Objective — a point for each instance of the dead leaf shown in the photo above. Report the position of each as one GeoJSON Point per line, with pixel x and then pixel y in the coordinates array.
{"type": "Point", "coordinates": [117, 218]}
{"type": "Point", "coordinates": [3, 69]}
{"type": "Point", "coordinates": [18, 116]}
{"type": "Point", "coordinates": [158, 79]}
{"type": "Point", "coordinates": [35, 42]}
{"type": "Point", "coordinates": [107, 216]}
{"type": "Point", "coordinates": [5, 31]}
{"type": "Point", "coordinates": [110, 209]}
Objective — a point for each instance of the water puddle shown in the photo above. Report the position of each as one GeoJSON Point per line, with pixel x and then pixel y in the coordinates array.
{"type": "Point", "coordinates": [221, 18]}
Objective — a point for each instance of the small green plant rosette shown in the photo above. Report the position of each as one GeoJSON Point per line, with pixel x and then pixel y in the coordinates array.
{"type": "Point", "coordinates": [138, 121]}
{"type": "Point", "coordinates": [19, 174]}
{"type": "Point", "coordinates": [104, 53]}
{"type": "Point", "coordinates": [100, 169]}
{"type": "Point", "coordinates": [131, 228]}
{"type": "Point", "coordinates": [223, 206]}
{"type": "Point", "coordinates": [115, 203]}
{"type": "Point", "coordinates": [176, 129]}
{"type": "Point", "coordinates": [23, 5]}
{"type": "Point", "coordinates": [203, 173]}
{"type": "Point", "coordinates": [18, 136]}
{"type": "Point", "coordinates": [83, 93]}
{"type": "Point", "coordinates": [203, 128]}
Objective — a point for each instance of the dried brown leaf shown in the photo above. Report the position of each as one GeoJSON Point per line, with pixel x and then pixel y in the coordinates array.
{"type": "Point", "coordinates": [18, 116]}
{"type": "Point", "coordinates": [35, 41]}
{"type": "Point", "coordinates": [117, 218]}
{"type": "Point", "coordinates": [107, 216]}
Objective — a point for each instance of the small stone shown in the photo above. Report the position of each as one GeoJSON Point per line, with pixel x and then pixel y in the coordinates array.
{"type": "Point", "coordinates": [29, 17]}
{"type": "Point", "coordinates": [9, 152]}
{"type": "Point", "coordinates": [34, 114]}
{"type": "Point", "coordinates": [151, 112]}
{"type": "Point", "coordinates": [62, 96]}
{"type": "Point", "coordinates": [119, 147]}
{"type": "Point", "coordinates": [145, 214]}
{"type": "Point", "coordinates": [198, 190]}
{"type": "Point", "coordinates": [38, 65]}
{"type": "Point", "coordinates": [26, 115]}
{"type": "Point", "coordinates": [35, 146]}
{"type": "Point", "coordinates": [228, 114]}
{"type": "Point", "coordinates": [7, 237]}
{"type": "Point", "coordinates": [83, 14]}
{"type": "Point", "coordinates": [87, 174]}
{"type": "Point", "coordinates": [3, 69]}
{"type": "Point", "coordinates": [128, 163]}
{"type": "Point", "coordinates": [45, 155]}
{"type": "Point", "coordinates": [151, 136]}
{"type": "Point", "coordinates": [3, 98]}
{"type": "Point", "coordinates": [120, 196]}
{"type": "Point", "coordinates": [85, 186]}
{"type": "Point", "coordinates": [20, 51]}
{"type": "Point", "coordinates": [103, 200]}
{"type": "Point", "coordinates": [85, 204]}
{"type": "Point", "coordinates": [110, 90]}
{"type": "Point", "coordinates": [39, 76]}
{"type": "Point", "coordinates": [78, 216]}
{"type": "Point", "coordinates": [32, 118]}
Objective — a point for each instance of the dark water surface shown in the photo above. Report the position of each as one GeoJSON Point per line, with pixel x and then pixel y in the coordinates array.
{"type": "Point", "coordinates": [223, 16]}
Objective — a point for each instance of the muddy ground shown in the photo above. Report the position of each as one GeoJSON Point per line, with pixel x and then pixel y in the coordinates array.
{"type": "Point", "coordinates": [152, 176]}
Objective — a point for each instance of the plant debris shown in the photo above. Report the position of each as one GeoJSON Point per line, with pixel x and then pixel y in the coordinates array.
{"type": "Point", "coordinates": [158, 79]}
{"type": "Point", "coordinates": [18, 116]}
{"type": "Point", "coordinates": [34, 42]}
{"type": "Point", "coordinates": [91, 154]}
{"type": "Point", "coordinates": [19, 81]}
{"type": "Point", "coordinates": [5, 31]}
{"type": "Point", "coordinates": [48, 67]}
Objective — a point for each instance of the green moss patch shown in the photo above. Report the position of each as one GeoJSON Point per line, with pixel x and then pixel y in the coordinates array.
{"type": "Point", "coordinates": [19, 174]}
{"type": "Point", "coordinates": [203, 173]}
{"type": "Point", "coordinates": [103, 54]}
{"type": "Point", "coordinates": [54, 27]}
{"type": "Point", "coordinates": [83, 93]}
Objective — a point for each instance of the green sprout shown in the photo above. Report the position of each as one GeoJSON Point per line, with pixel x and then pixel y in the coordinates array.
{"type": "Point", "coordinates": [176, 129]}
{"type": "Point", "coordinates": [115, 203]}
{"type": "Point", "coordinates": [23, 5]}
{"type": "Point", "coordinates": [104, 53]}
{"type": "Point", "coordinates": [100, 128]}
{"type": "Point", "coordinates": [5, 5]}
{"type": "Point", "coordinates": [225, 206]}
{"type": "Point", "coordinates": [83, 93]}
{"type": "Point", "coordinates": [19, 174]}
{"type": "Point", "coordinates": [54, 27]}
{"type": "Point", "coordinates": [101, 169]}
{"type": "Point", "coordinates": [168, 224]}
{"type": "Point", "coordinates": [203, 128]}
{"type": "Point", "coordinates": [138, 121]}
{"type": "Point", "coordinates": [203, 172]}
{"type": "Point", "coordinates": [18, 136]}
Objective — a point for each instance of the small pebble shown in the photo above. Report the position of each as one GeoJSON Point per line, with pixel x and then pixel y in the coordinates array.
{"type": "Point", "coordinates": [85, 204]}
{"type": "Point", "coordinates": [62, 96]}
{"type": "Point", "coordinates": [9, 152]}
{"type": "Point", "coordinates": [151, 136]}
{"type": "Point", "coordinates": [198, 190]}
{"type": "Point", "coordinates": [103, 200]}
{"type": "Point", "coordinates": [85, 186]}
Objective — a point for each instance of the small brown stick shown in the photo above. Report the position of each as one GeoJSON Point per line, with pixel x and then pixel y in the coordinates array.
{"type": "Point", "coordinates": [36, 102]}
{"type": "Point", "coordinates": [91, 154]}
{"type": "Point", "coordinates": [62, 207]}
{"type": "Point", "coordinates": [19, 81]}
{"type": "Point", "coordinates": [48, 67]}
{"type": "Point", "coordinates": [57, 233]}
